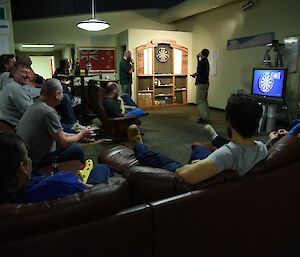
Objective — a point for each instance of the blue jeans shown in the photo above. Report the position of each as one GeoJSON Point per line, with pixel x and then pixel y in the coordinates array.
{"type": "Point", "coordinates": [147, 157]}
{"type": "Point", "coordinates": [127, 100]}
{"type": "Point", "coordinates": [73, 152]}
{"type": "Point", "coordinates": [100, 174]}
{"type": "Point", "coordinates": [66, 111]}
{"type": "Point", "coordinates": [127, 89]}
{"type": "Point", "coordinates": [137, 112]}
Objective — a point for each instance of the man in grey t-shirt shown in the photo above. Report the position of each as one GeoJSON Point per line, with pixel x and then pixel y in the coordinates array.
{"type": "Point", "coordinates": [241, 153]}
{"type": "Point", "coordinates": [42, 132]}
{"type": "Point", "coordinates": [15, 98]}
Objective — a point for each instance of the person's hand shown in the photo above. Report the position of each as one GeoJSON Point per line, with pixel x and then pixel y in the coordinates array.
{"type": "Point", "coordinates": [85, 132]}
{"type": "Point", "coordinates": [194, 75]}
{"type": "Point", "coordinates": [278, 133]}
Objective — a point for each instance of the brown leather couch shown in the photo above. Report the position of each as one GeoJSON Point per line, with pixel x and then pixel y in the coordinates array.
{"type": "Point", "coordinates": [152, 213]}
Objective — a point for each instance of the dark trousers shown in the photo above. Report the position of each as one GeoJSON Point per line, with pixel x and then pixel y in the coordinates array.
{"type": "Point", "coordinates": [219, 141]}
{"type": "Point", "coordinates": [73, 152]}
{"type": "Point", "coordinates": [66, 111]}
{"type": "Point", "coordinates": [147, 157]}
{"type": "Point", "coordinates": [100, 174]}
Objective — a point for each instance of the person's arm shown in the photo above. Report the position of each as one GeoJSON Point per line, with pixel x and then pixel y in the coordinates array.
{"type": "Point", "coordinates": [65, 139]}
{"type": "Point", "coordinates": [197, 172]}
{"type": "Point", "coordinates": [21, 99]}
{"type": "Point", "coordinates": [122, 106]}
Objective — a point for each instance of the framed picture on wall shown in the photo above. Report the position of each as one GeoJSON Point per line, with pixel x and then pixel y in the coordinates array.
{"type": "Point", "coordinates": [102, 59]}
{"type": "Point", "coordinates": [291, 53]}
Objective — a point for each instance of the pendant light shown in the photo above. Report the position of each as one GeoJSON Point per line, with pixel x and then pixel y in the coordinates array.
{"type": "Point", "coordinates": [93, 24]}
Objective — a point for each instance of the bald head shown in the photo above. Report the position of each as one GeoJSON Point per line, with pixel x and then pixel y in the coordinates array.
{"type": "Point", "coordinates": [51, 86]}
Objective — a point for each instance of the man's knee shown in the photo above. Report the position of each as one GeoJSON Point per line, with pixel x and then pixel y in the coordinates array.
{"type": "Point", "coordinates": [76, 152]}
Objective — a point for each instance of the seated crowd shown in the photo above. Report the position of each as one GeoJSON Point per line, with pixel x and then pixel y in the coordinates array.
{"type": "Point", "coordinates": [41, 136]}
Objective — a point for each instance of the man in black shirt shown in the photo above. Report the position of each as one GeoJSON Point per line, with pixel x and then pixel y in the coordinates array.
{"type": "Point", "coordinates": [202, 84]}
{"type": "Point", "coordinates": [126, 70]}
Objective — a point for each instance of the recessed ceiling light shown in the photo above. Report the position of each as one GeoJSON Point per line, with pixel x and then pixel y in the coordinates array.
{"type": "Point", "coordinates": [37, 46]}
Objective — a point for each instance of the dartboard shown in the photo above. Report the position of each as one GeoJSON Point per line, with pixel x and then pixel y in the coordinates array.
{"type": "Point", "coordinates": [162, 55]}
{"type": "Point", "coordinates": [266, 82]}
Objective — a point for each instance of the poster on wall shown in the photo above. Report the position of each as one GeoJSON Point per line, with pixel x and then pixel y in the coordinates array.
{"type": "Point", "coordinates": [102, 59]}
{"type": "Point", "coordinates": [250, 41]}
{"type": "Point", "coordinates": [291, 53]}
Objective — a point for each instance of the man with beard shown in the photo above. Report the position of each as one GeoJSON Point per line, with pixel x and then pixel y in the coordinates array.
{"type": "Point", "coordinates": [241, 153]}
{"type": "Point", "coordinates": [126, 70]}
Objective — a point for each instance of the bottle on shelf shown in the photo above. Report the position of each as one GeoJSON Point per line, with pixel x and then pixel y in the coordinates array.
{"type": "Point", "coordinates": [100, 75]}
{"type": "Point", "coordinates": [158, 83]}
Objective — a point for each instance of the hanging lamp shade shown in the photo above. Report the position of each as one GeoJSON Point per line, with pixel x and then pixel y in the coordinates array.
{"type": "Point", "coordinates": [93, 24]}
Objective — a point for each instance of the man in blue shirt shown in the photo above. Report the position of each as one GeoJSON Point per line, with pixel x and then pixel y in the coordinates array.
{"type": "Point", "coordinates": [17, 185]}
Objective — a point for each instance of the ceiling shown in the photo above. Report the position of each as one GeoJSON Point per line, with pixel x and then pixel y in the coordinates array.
{"type": "Point", "coordinates": [37, 9]}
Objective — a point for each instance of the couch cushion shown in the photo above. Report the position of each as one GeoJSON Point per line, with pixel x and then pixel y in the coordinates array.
{"type": "Point", "coordinates": [120, 157]}
{"type": "Point", "coordinates": [21, 220]}
{"type": "Point", "coordinates": [149, 184]}
{"type": "Point", "coordinates": [285, 151]}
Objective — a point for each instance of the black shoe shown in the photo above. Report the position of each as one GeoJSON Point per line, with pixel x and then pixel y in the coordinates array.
{"type": "Point", "coordinates": [202, 121]}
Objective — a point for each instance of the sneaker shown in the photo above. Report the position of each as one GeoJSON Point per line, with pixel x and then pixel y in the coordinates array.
{"type": "Point", "coordinates": [134, 135]}
{"type": "Point", "coordinates": [77, 126]}
{"type": "Point", "coordinates": [202, 121]}
{"type": "Point", "coordinates": [209, 132]}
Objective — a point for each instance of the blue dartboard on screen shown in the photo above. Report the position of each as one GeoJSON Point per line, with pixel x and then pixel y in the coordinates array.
{"type": "Point", "coordinates": [266, 82]}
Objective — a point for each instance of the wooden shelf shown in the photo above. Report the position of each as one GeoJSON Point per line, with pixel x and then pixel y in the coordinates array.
{"type": "Point", "coordinates": [162, 83]}
{"type": "Point", "coordinates": [145, 91]}
{"type": "Point", "coordinates": [164, 86]}
{"type": "Point", "coordinates": [164, 95]}
{"type": "Point", "coordinates": [163, 75]}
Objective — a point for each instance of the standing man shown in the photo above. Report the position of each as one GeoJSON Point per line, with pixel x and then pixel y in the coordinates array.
{"type": "Point", "coordinates": [202, 84]}
{"type": "Point", "coordinates": [126, 70]}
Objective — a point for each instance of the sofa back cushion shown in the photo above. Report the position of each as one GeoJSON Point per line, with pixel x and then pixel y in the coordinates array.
{"type": "Point", "coordinates": [120, 157]}
{"type": "Point", "coordinates": [20, 220]}
{"type": "Point", "coordinates": [285, 151]}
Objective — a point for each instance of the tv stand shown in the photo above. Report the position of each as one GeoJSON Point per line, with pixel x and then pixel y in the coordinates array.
{"type": "Point", "coordinates": [268, 119]}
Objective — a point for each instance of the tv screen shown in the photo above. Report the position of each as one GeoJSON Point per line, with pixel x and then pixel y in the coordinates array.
{"type": "Point", "coordinates": [269, 83]}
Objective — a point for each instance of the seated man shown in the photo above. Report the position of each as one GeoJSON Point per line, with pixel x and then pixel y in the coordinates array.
{"type": "Point", "coordinates": [41, 129]}
{"type": "Point", "coordinates": [17, 185]}
{"type": "Point", "coordinates": [116, 106]}
{"type": "Point", "coordinates": [241, 153]}
{"type": "Point", "coordinates": [218, 141]}
{"type": "Point", "coordinates": [7, 62]}
{"type": "Point", "coordinates": [15, 98]}
{"type": "Point", "coordinates": [65, 108]}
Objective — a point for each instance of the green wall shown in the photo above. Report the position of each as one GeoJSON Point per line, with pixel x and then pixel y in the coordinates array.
{"type": "Point", "coordinates": [234, 68]}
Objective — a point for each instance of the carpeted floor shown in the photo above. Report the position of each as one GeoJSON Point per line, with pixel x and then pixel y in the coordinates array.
{"type": "Point", "coordinates": [170, 131]}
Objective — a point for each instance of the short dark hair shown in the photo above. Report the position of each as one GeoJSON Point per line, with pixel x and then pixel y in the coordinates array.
{"type": "Point", "coordinates": [24, 59]}
{"type": "Point", "coordinates": [12, 153]}
{"type": "Point", "coordinates": [19, 64]}
{"type": "Point", "coordinates": [111, 86]}
{"type": "Point", "coordinates": [205, 52]}
{"type": "Point", "coordinates": [4, 59]}
{"type": "Point", "coordinates": [243, 112]}
{"type": "Point", "coordinates": [50, 86]}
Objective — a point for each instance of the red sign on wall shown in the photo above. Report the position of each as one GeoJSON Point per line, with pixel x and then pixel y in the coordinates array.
{"type": "Point", "coordinates": [102, 59]}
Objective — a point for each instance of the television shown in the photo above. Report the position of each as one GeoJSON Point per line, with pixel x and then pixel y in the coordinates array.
{"type": "Point", "coordinates": [268, 84]}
